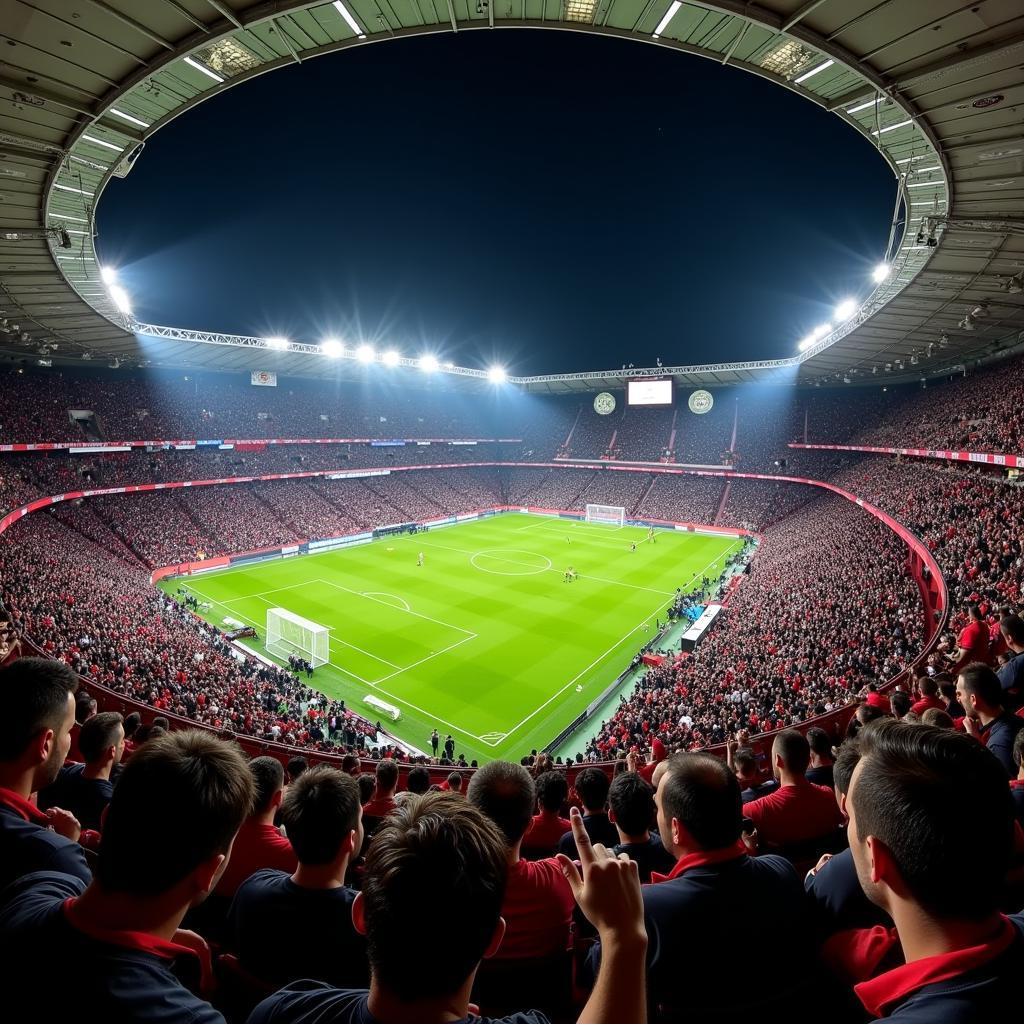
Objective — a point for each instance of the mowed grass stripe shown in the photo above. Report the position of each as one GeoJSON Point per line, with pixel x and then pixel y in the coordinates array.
{"type": "Point", "coordinates": [492, 658]}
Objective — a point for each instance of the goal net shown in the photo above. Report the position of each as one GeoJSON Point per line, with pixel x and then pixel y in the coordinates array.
{"type": "Point", "coordinates": [606, 514]}
{"type": "Point", "coordinates": [288, 633]}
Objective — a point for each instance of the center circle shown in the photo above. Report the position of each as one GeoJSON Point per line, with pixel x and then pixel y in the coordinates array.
{"type": "Point", "coordinates": [509, 562]}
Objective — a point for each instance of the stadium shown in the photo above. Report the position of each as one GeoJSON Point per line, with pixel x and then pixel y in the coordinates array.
{"type": "Point", "coordinates": [385, 631]}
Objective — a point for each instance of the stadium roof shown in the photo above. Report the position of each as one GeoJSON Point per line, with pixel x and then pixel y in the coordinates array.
{"type": "Point", "coordinates": [935, 86]}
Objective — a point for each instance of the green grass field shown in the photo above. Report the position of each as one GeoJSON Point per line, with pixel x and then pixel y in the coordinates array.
{"type": "Point", "coordinates": [485, 640]}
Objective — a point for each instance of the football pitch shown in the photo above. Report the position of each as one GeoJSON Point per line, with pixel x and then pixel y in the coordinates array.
{"type": "Point", "coordinates": [485, 640]}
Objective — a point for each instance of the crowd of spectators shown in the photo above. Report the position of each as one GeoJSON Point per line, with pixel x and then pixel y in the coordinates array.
{"type": "Point", "coordinates": [828, 607]}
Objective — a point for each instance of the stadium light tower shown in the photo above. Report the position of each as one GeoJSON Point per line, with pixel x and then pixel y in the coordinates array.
{"type": "Point", "coordinates": [390, 357]}
{"type": "Point", "coordinates": [846, 309]}
{"type": "Point", "coordinates": [429, 363]}
{"type": "Point", "coordinates": [332, 348]}
{"type": "Point", "coordinates": [880, 273]}
{"type": "Point", "coordinates": [364, 353]}
{"type": "Point", "coordinates": [497, 375]}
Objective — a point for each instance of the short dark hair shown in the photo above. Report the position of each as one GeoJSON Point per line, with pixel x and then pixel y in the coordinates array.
{"type": "Point", "coordinates": [455, 782]}
{"type": "Point", "coordinates": [504, 792]}
{"type": "Point", "coordinates": [319, 811]}
{"type": "Point", "coordinates": [900, 703]}
{"type": "Point", "coordinates": [366, 786]}
{"type": "Point", "coordinates": [179, 801]}
{"type": "Point", "coordinates": [387, 774]}
{"type": "Point", "coordinates": [132, 721]}
{"type": "Point", "coordinates": [350, 764]}
{"type": "Point", "coordinates": [792, 746]}
{"type": "Point", "coordinates": [847, 757]}
{"type": "Point", "coordinates": [704, 795]}
{"type": "Point", "coordinates": [85, 706]}
{"type": "Point", "coordinates": [592, 787]}
{"type": "Point", "coordinates": [419, 780]}
{"type": "Point", "coordinates": [973, 610]}
{"type": "Point", "coordinates": [268, 775]}
{"type": "Point", "coordinates": [438, 851]}
{"type": "Point", "coordinates": [632, 801]}
{"type": "Point", "coordinates": [980, 680]}
{"type": "Point", "coordinates": [744, 761]}
{"type": "Point", "coordinates": [98, 733]}
{"type": "Point", "coordinates": [1012, 627]}
{"type": "Point", "coordinates": [34, 695]}
{"type": "Point", "coordinates": [928, 687]}
{"type": "Point", "coordinates": [552, 791]}
{"type": "Point", "coordinates": [913, 786]}
{"type": "Point", "coordinates": [819, 741]}
{"type": "Point", "coordinates": [939, 718]}
{"type": "Point", "coordinates": [296, 766]}
{"type": "Point", "coordinates": [1018, 748]}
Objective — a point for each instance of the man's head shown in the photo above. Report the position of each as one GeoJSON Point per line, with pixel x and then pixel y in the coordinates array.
{"type": "Point", "coordinates": [419, 780]}
{"type": "Point", "coordinates": [744, 764]}
{"type": "Point", "coordinates": [979, 691]}
{"type": "Point", "coordinates": [552, 791]}
{"type": "Point", "coordinates": [102, 739]}
{"type": "Point", "coordinates": [387, 777]}
{"type": "Point", "coordinates": [632, 805]}
{"type": "Point", "coordinates": [699, 804]}
{"type": "Point", "coordinates": [820, 743]}
{"type": "Point", "coordinates": [174, 814]}
{"type": "Point", "coordinates": [847, 757]}
{"type": "Point", "coordinates": [910, 796]}
{"type": "Point", "coordinates": [322, 815]}
{"type": "Point", "coordinates": [928, 687]}
{"type": "Point", "coordinates": [38, 698]}
{"type": "Point", "coordinates": [268, 776]}
{"type": "Point", "coordinates": [455, 782]}
{"type": "Point", "coordinates": [938, 718]}
{"type": "Point", "coordinates": [504, 793]}
{"type": "Point", "coordinates": [592, 788]}
{"type": "Point", "coordinates": [132, 721]}
{"type": "Point", "coordinates": [350, 765]}
{"type": "Point", "coordinates": [1018, 752]}
{"type": "Point", "coordinates": [296, 766]}
{"type": "Point", "coordinates": [974, 612]}
{"type": "Point", "coordinates": [1012, 629]}
{"type": "Point", "coordinates": [791, 754]}
{"type": "Point", "coordinates": [900, 703]}
{"type": "Point", "coordinates": [435, 854]}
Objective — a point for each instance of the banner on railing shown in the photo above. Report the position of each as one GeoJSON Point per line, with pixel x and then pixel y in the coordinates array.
{"type": "Point", "coordinates": [984, 458]}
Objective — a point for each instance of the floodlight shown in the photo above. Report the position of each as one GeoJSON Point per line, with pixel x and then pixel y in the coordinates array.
{"type": "Point", "coordinates": [428, 363]}
{"type": "Point", "coordinates": [203, 68]}
{"type": "Point", "coordinates": [497, 375]}
{"type": "Point", "coordinates": [846, 309]}
{"type": "Point", "coordinates": [449, 365]}
{"type": "Point", "coordinates": [864, 106]}
{"type": "Point", "coordinates": [276, 343]}
{"type": "Point", "coordinates": [817, 334]}
{"type": "Point", "coordinates": [880, 273]}
{"type": "Point", "coordinates": [669, 15]}
{"type": "Point", "coordinates": [814, 71]}
{"type": "Point", "coordinates": [390, 357]}
{"type": "Point", "coordinates": [109, 275]}
{"type": "Point", "coordinates": [349, 20]}
{"type": "Point", "coordinates": [120, 297]}
{"type": "Point", "coordinates": [893, 127]}
{"type": "Point", "coordinates": [364, 353]}
{"type": "Point", "coordinates": [332, 347]}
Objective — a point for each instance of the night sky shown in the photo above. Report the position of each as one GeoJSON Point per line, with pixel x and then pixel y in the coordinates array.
{"type": "Point", "coordinates": [548, 200]}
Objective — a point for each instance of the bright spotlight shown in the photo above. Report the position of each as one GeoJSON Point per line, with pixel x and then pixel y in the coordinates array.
{"type": "Point", "coordinates": [390, 358]}
{"type": "Point", "coordinates": [497, 375]}
{"type": "Point", "coordinates": [364, 353]}
{"type": "Point", "coordinates": [120, 297]}
{"type": "Point", "coordinates": [817, 334]}
{"type": "Point", "coordinates": [332, 347]}
{"type": "Point", "coordinates": [277, 344]}
{"type": "Point", "coordinates": [449, 365]}
{"type": "Point", "coordinates": [880, 273]}
{"type": "Point", "coordinates": [429, 363]}
{"type": "Point", "coordinates": [846, 309]}
{"type": "Point", "coordinates": [109, 275]}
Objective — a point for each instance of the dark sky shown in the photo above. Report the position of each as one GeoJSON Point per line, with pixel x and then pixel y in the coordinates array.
{"type": "Point", "coordinates": [550, 200]}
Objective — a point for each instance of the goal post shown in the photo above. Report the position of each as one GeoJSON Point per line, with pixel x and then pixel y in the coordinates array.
{"type": "Point", "coordinates": [613, 514]}
{"type": "Point", "coordinates": [288, 633]}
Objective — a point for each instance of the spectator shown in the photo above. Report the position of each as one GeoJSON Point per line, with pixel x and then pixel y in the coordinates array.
{"type": "Point", "coordinates": [1017, 784]}
{"type": "Point", "coordinates": [548, 826]}
{"type": "Point", "coordinates": [455, 782]}
{"type": "Point", "coordinates": [442, 852]}
{"type": "Point", "coordinates": [798, 811]}
{"type": "Point", "coordinates": [132, 723]}
{"type": "Point", "coordinates": [744, 765]}
{"type": "Point", "coordinates": [259, 844]}
{"type": "Point", "coordinates": [929, 690]}
{"type": "Point", "coordinates": [538, 903]}
{"type": "Point", "coordinates": [166, 839]}
{"type": "Point", "coordinates": [633, 813]}
{"type": "Point", "coordinates": [382, 803]}
{"type": "Point", "coordinates": [962, 957]}
{"type": "Point", "coordinates": [418, 781]}
{"type": "Point", "coordinates": [39, 710]}
{"type": "Point", "coordinates": [350, 765]}
{"type": "Point", "coordinates": [86, 789]}
{"type": "Point", "coordinates": [659, 753]}
{"type": "Point", "coordinates": [1011, 675]}
{"type": "Point", "coordinates": [300, 926]}
{"type": "Point", "coordinates": [367, 784]}
{"type": "Point", "coordinates": [820, 771]}
{"type": "Point", "coordinates": [900, 704]}
{"type": "Point", "coordinates": [972, 642]}
{"type": "Point", "coordinates": [978, 690]}
{"type": "Point", "coordinates": [937, 718]}
{"type": "Point", "coordinates": [592, 789]}
{"type": "Point", "coordinates": [691, 915]}
{"type": "Point", "coordinates": [296, 766]}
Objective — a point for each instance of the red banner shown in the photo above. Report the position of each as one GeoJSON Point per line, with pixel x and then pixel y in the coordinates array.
{"type": "Point", "coordinates": [981, 458]}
